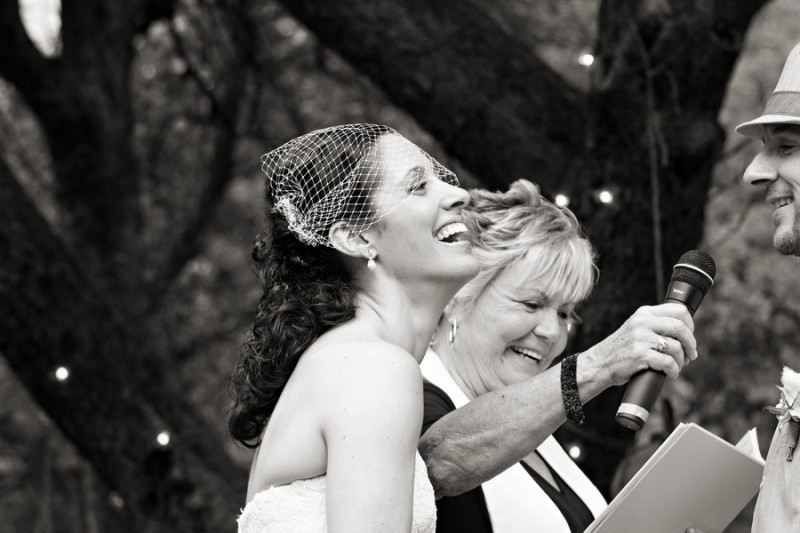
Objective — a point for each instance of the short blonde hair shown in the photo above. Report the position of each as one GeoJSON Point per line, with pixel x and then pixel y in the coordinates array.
{"type": "Point", "coordinates": [506, 226]}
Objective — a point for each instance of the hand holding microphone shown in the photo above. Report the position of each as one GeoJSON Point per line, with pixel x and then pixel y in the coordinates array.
{"type": "Point", "coordinates": [692, 276]}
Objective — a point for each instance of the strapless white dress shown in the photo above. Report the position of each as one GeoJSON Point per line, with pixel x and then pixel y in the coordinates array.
{"type": "Point", "coordinates": [300, 506]}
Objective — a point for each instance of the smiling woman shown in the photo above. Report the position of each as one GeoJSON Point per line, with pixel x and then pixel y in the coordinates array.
{"type": "Point", "coordinates": [531, 283]}
{"type": "Point", "coordinates": [507, 325]}
{"type": "Point", "coordinates": [495, 392]}
{"type": "Point", "coordinates": [328, 388]}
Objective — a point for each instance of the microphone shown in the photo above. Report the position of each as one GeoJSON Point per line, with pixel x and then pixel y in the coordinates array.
{"type": "Point", "coordinates": [692, 276]}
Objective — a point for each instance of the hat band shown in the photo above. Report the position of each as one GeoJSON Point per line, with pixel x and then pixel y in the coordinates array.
{"type": "Point", "coordinates": [783, 103]}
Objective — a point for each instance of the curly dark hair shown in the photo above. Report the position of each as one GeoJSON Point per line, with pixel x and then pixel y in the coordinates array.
{"type": "Point", "coordinates": [307, 290]}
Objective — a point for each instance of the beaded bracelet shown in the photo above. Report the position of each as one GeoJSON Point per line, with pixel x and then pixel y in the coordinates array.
{"type": "Point", "coordinates": [569, 389]}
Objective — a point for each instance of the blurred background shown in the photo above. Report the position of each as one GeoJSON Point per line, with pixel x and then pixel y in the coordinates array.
{"type": "Point", "coordinates": [131, 191]}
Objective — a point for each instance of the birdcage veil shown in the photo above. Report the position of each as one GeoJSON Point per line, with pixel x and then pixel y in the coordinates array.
{"type": "Point", "coordinates": [337, 173]}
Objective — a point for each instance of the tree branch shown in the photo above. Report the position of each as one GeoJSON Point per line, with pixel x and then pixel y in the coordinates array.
{"type": "Point", "coordinates": [217, 48]}
{"type": "Point", "coordinates": [467, 76]}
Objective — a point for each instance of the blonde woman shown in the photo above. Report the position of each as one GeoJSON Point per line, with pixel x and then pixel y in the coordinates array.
{"type": "Point", "coordinates": [497, 389]}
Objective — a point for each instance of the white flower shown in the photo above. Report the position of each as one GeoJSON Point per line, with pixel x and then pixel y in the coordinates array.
{"type": "Point", "coordinates": [788, 406]}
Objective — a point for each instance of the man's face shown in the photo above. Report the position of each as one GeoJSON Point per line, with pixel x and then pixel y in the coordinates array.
{"type": "Point", "coordinates": [777, 168]}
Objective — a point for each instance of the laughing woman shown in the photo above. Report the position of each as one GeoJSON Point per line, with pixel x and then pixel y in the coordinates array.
{"type": "Point", "coordinates": [364, 255]}
{"type": "Point", "coordinates": [497, 392]}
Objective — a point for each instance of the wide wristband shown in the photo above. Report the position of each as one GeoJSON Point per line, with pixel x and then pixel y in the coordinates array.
{"type": "Point", "coordinates": [569, 389]}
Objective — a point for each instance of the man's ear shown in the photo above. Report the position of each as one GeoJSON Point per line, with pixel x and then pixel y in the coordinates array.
{"type": "Point", "coordinates": [346, 241]}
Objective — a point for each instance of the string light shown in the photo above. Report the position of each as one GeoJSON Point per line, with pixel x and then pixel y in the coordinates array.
{"type": "Point", "coordinates": [163, 438]}
{"type": "Point", "coordinates": [61, 373]}
{"type": "Point", "coordinates": [561, 200]}
{"type": "Point", "coordinates": [575, 452]}
{"type": "Point", "coordinates": [586, 59]}
{"type": "Point", "coordinates": [605, 196]}
{"type": "Point", "coordinates": [115, 500]}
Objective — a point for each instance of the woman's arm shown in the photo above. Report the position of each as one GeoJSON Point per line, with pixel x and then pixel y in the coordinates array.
{"type": "Point", "coordinates": [483, 438]}
{"type": "Point", "coordinates": [371, 426]}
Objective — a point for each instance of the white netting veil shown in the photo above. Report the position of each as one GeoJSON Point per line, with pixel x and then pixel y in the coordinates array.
{"type": "Point", "coordinates": [357, 173]}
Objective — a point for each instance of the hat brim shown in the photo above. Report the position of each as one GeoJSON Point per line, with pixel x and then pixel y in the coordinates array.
{"type": "Point", "coordinates": [755, 128]}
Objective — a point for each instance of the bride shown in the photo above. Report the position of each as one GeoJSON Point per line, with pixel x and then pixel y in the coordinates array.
{"type": "Point", "coordinates": [365, 250]}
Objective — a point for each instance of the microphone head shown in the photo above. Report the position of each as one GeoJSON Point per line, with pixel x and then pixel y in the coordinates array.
{"type": "Point", "coordinates": [695, 268]}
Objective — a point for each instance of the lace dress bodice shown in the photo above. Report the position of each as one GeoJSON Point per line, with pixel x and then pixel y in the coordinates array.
{"type": "Point", "coordinates": [300, 506]}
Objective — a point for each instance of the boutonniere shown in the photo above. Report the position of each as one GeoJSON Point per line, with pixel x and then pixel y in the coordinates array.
{"type": "Point", "coordinates": [787, 410]}
{"type": "Point", "coordinates": [788, 407]}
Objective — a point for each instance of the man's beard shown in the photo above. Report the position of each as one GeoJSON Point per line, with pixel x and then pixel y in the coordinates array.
{"type": "Point", "coordinates": [787, 242]}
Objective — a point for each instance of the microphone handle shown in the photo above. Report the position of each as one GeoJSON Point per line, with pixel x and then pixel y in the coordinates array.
{"type": "Point", "coordinates": [682, 293]}
{"type": "Point", "coordinates": [644, 387]}
{"type": "Point", "coordinates": [640, 396]}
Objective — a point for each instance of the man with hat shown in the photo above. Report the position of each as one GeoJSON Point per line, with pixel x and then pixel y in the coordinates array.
{"type": "Point", "coordinates": [776, 168]}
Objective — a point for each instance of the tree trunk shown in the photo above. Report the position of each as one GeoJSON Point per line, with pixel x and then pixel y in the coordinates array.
{"type": "Point", "coordinates": [93, 317]}
{"type": "Point", "coordinates": [54, 317]}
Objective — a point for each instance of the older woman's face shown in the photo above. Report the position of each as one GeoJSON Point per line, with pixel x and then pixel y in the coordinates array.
{"type": "Point", "coordinates": [515, 329]}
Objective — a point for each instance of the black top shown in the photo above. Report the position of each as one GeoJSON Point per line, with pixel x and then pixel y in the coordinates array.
{"type": "Point", "coordinates": [467, 513]}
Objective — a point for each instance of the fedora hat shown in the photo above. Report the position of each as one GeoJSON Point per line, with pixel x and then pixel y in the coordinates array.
{"type": "Point", "coordinates": [783, 107]}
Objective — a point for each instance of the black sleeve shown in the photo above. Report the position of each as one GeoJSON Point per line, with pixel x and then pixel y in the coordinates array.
{"type": "Point", "coordinates": [465, 513]}
{"type": "Point", "coordinates": [437, 404]}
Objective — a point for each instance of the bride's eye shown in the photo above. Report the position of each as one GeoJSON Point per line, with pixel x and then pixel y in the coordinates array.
{"type": "Point", "coordinates": [418, 182]}
{"type": "Point", "coordinates": [420, 185]}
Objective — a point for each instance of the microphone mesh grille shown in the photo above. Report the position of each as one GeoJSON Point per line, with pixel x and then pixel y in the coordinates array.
{"type": "Point", "coordinates": [699, 260]}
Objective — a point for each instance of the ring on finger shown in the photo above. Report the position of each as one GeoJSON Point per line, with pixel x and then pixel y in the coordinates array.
{"type": "Point", "coordinates": [662, 344]}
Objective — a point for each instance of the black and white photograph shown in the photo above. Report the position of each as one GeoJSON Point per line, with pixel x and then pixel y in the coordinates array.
{"type": "Point", "coordinates": [275, 266]}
